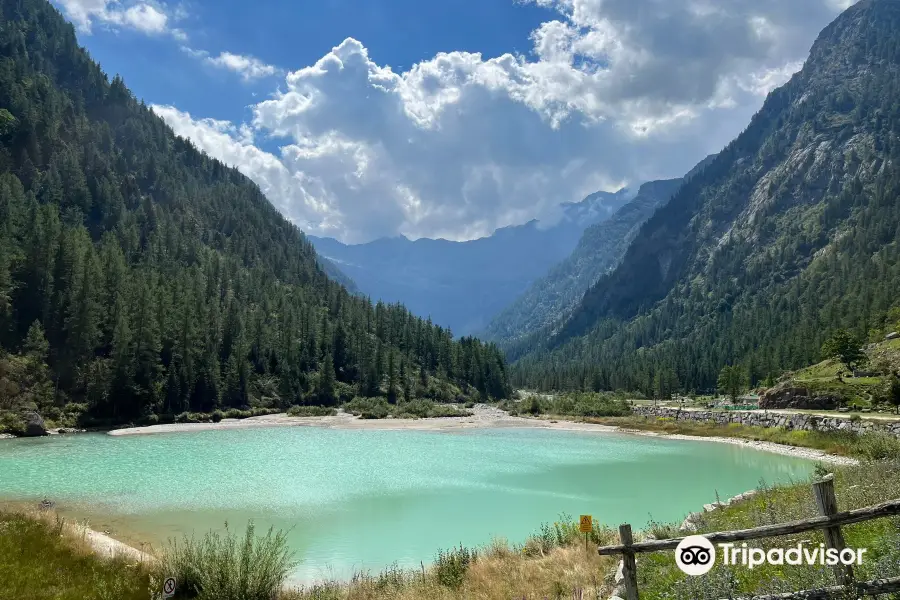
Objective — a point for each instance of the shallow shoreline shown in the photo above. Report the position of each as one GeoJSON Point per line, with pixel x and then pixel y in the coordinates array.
{"type": "Point", "coordinates": [109, 547]}
{"type": "Point", "coordinates": [483, 417]}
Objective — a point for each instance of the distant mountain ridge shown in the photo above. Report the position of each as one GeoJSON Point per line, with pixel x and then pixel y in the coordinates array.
{"type": "Point", "coordinates": [602, 245]}
{"type": "Point", "coordinates": [461, 285]}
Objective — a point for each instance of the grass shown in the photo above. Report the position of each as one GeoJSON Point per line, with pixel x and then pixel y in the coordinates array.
{"type": "Point", "coordinates": [869, 446]}
{"type": "Point", "coordinates": [855, 487]}
{"type": "Point", "coordinates": [227, 566]}
{"type": "Point", "coordinates": [44, 558]}
{"type": "Point", "coordinates": [551, 564]}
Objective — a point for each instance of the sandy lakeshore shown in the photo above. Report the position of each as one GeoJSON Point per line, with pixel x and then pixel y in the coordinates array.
{"type": "Point", "coordinates": [483, 416]}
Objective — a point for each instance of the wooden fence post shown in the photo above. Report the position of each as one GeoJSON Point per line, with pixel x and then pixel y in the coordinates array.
{"type": "Point", "coordinates": [827, 503]}
{"type": "Point", "coordinates": [629, 566]}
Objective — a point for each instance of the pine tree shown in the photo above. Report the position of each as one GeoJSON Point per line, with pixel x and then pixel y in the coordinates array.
{"type": "Point", "coordinates": [325, 390]}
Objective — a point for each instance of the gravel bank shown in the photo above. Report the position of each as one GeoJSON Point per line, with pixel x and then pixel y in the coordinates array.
{"type": "Point", "coordinates": [483, 417]}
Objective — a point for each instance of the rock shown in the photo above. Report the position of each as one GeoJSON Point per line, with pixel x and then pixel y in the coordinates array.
{"type": "Point", "coordinates": [620, 575]}
{"type": "Point", "coordinates": [892, 335]}
{"type": "Point", "coordinates": [34, 425]}
{"type": "Point", "coordinates": [616, 598]}
{"type": "Point", "coordinates": [6, 436]}
{"type": "Point", "coordinates": [46, 504]}
{"type": "Point", "coordinates": [786, 395]}
{"type": "Point", "coordinates": [740, 497]}
{"type": "Point", "coordinates": [688, 525]}
{"type": "Point", "coordinates": [712, 506]}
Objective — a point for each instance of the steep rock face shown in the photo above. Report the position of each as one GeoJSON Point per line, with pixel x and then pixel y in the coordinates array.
{"type": "Point", "coordinates": [785, 234]}
{"type": "Point", "coordinates": [461, 285]}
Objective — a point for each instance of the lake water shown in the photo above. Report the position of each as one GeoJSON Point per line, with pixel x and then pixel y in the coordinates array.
{"type": "Point", "coordinates": [356, 500]}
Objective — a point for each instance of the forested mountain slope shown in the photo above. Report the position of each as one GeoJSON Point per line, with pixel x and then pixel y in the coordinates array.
{"type": "Point", "coordinates": [599, 249]}
{"type": "Point", "coordinates": [153, 279]}
{"type": "Point", "coordinates": [789, 232]}
{"type": "Point", "coordinates": [461, 285]}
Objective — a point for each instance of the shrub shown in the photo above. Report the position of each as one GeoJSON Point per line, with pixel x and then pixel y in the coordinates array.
{"type": "Point", "coordinates": [369, 408]}
{"type": "Point", "coordinates": [216, 416]}
{"type": "Point", "coordinates": [470, 404]}
{"type": "Point", "coordinates": [223, 567]}
{"type": "Point", "coordinates": [451, 566]}
{"type": "Point", "coordinates": [151, 419]}
{"type": "Point", "coordinates": [311, 411]}
{"type": "Point", "coordinates": [189, 417]}
{"type": "Point", "coordinates": [11, 422]}
{"type": "Point", "coordinates": [532, 406]}
{"type": "Point", "coordinates": [877, 446]}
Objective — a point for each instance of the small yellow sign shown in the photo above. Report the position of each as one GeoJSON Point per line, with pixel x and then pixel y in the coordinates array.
{"type": "Point", "coordinates": [586, 524]}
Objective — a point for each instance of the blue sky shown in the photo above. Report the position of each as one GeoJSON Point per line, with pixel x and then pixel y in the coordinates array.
{"type": "Point", "coordinates": [294, 33]}
{"type": "Point", "coordinates": [362, 119]}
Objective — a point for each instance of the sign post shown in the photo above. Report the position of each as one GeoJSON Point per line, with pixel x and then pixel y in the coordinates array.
{"type": "Point", "coordinates": [169, 587]}
{"type": "Point", "coordinates": [586, 525]}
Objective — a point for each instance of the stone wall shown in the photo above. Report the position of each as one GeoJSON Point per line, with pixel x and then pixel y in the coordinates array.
{"type": "Point", "coordinates": [772, 419]}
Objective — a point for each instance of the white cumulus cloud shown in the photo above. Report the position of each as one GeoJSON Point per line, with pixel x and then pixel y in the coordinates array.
{"type": "Point", "coordinates": [248, 67]}
{"type": "Point", "coordinates": [614, 92]}
{"type": "Point", "coordinates": [147, 17]}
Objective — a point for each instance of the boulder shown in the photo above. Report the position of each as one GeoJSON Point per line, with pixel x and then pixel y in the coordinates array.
{"type": "Point", "coordinates": [34, 425]}
{"type": "Point", "coordinates": [740, 497]}
{"type": "Point", "coordinates": [792, 396]}
{"type": "Point", "coordinates": [892, 335]}
{"type": "Point", "coordinates": [688, 524]}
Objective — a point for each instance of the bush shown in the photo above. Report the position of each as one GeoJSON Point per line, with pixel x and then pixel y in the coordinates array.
{"type": "Point", "coordinates": [369, 408]}
{"type": "Point", "coordinates": [451, 566]}
{"type": "Point", "coordinates": [216, 416]}
{"type": "Point", "coordinates": [151, 419]}
{"type": "Point", "coordinates": [311, 411]}
{"type": "Point", "coordinates": [190, 417]}
{"type": "Point", "coordinates": [223, 567]}
{"type": "Point", "coordinates": [532, 406]}
{"type": "Point", "coordinates": [11, 422]}
{"type": "Point", "coordinates": [876, 446]}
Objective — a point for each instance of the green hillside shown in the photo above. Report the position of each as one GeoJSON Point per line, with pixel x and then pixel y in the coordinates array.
{"type": "Point", "coordinates": [789, 233]}
{"type": "Point", "coordinates": [140, 277]}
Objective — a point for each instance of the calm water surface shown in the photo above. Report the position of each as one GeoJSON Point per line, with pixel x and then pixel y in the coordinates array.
{"type": "Point", "coordinates": [365, 499]}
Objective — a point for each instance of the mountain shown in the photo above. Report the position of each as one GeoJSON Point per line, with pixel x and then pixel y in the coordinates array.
{"type": "Point", "coordinates": [140, 278]}
{"type": "Point", "coordinates": [460, 285]}
{"type": "Point", "coordinates": [789, 232]}
{"type": "Point", "coordinates": [601, 246]}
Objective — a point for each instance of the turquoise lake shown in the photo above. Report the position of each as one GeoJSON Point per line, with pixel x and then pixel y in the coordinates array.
{"type": "Point", "coordinates": [364, 499]}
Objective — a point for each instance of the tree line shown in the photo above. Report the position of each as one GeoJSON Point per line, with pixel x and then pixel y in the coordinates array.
{"type": "Point", "coordinates": [139, 276]}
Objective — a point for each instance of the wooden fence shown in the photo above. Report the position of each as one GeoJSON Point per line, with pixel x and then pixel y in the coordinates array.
{"type": "Point", "coordinates": [830, 521]}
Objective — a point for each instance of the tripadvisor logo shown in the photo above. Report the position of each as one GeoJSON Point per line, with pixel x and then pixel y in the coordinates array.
{"type": "Point", "coordinates": [695, 555]}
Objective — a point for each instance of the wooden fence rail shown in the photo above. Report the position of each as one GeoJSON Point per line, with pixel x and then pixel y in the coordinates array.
{"type": "Point", "coordinates": [831, 521]}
